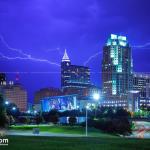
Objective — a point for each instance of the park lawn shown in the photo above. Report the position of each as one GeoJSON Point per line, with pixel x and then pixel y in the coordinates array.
{"type": "Point", "coordinates": [63, 129]}
{"type": "Point", "coordinates": [84, 143]}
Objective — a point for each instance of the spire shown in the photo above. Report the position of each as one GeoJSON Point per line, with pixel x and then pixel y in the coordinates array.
{"type": "Point", "coordinates": [65, 57]}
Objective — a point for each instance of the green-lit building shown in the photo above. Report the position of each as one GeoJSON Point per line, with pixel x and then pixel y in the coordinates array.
{"type": "Point", "coordinates": [116, 71]}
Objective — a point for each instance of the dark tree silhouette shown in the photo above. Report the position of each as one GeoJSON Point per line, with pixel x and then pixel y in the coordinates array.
{"type": "Point", "coordinates": [53, 116]}
{"type": "Point", "coordinates": [72, 121]}
{"type": "Point", "coordinates": [4, 120]}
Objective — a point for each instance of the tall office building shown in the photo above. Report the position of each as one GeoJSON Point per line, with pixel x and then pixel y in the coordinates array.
{"type": "Point", "coordinates": [73, 77]}
{"type": "Point", "coordinates": [116, 71]}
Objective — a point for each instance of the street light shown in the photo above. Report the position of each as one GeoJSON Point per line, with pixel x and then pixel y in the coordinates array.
{"type": "Point", "coordinates": [6, 102]}
{"type": "Point", "coordinates": [28, 111]}
{"type": "Point", "coordinates": [14, 108]}
{"type": "Point", "coordinates": [35, 112]}
{"type": "Point", "coordinates": [96, 97]}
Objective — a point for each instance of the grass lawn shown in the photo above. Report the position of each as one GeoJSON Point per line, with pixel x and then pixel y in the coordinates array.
{"type": "Point", "coordinates": [61, 143]}
{"type": "Point", "coordinates": [63, 129]}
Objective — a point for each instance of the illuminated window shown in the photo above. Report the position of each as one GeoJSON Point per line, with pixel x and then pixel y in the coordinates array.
{"type": "Point", "coordinates": [113, 36]}
{"type": "Point", "coordinates": [123, 38]}
{"type": "Point", "coordinates": [114, 92]}
{"type": "Point", "coordinates": [119, 69]}
{"type": "Point", "coordinates": [114, 43]}
{"type": "Point", "coordinates": [122, 43]}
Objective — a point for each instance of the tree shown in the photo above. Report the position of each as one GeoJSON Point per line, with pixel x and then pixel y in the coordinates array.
{"type": "Point", "coordinates": [122, 126]}
{"type": "Point", "coordinates": [122, 113]}
{"type": "Point", "coordinates": [11, 112]}
{"type": "Point", "coordinates": [4, 121]}
{"type": "Point", "coordinates": [11, 120]}
{"type": "Point", "coordinates": [24, 120]}
{"type": "Point", "coordinates": [38, 119]}
{"type": "Point", "coordinates": [72, 120]}
{"type": "Point", "coordinates": [53, 116]}
{"type": "Point", "coordinates": [54, 119]}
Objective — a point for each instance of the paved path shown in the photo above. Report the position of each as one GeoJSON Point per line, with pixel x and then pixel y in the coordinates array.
{"type": "Point", "coordinates": [142, 130]}
{"type": "Point", "coordinates": [30, 133]}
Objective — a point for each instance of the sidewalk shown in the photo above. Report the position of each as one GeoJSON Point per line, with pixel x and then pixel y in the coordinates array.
{"type": "Point", "coordinates": [30, 133]}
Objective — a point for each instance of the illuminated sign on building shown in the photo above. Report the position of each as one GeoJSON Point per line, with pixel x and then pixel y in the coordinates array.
{"type": "Point", "coordinates": [61, 103]}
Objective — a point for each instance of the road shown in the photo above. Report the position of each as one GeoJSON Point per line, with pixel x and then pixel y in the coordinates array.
{"type": "Point", "coordinates": [142, 129]}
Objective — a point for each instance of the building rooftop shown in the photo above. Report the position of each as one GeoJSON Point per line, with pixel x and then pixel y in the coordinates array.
{"type": "Point", "coordinates": [65, 57]}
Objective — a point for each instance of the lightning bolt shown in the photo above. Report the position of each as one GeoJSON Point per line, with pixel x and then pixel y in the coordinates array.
{"type": "Point", "coordinates": [142, 46]}
{"type": "Point", "coordinates": [28, 58]}
{"type": "Point", "coordinates": [92, 57]}
{"type": "Point", "coordinates": [25, 55]}
{"type": "Point", "coordinates": [54, 50]}
{"type": "Point", "coordinates": [145, 46]}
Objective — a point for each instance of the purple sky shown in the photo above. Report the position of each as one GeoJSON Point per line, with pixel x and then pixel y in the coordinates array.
{"type": "Point", "coordinates": [34, 34]}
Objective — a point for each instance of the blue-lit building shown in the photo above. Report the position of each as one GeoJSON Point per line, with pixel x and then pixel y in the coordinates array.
{"type": "Point", "coordinates": [61, 103]}
{"type": "Point", "coordinates": [73, 78]}
{"type": "Point", "coordinates": [141, 83]}
{"type": "Point", "coordinates": [116, 71]}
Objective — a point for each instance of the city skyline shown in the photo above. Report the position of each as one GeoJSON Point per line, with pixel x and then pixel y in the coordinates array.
{"type": "Point", "coordinates": [36, 42]}
{"type": "Point", "coordinates": [74, 74]}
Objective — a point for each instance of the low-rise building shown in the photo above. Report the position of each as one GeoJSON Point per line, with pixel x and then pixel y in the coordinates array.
{"type": "Point", "coordinates": [15, 93]}
{"type": "Point", "coordinates": [46, 92]}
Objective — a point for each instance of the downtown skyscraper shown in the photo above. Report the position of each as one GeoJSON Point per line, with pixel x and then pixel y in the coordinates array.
{"type": "Point", "coordinates": [116, 71]}
{"type": "Point", "coordinates": [73, 78]}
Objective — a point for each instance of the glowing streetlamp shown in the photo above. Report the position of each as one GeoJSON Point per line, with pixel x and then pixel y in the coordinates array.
{"type": "Point", "coordinates": [35, 112]}
{"type": "Point", "coordinates": [6, 102]}
{"type": "Point", "coordinates": [96, 97]}
{"type": "Point", "coordinates": [14, 108]}
{"type": "Point", "coordinates": [28, 111]}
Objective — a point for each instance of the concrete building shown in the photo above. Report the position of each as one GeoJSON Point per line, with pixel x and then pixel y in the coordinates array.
{"type": "Point", "coordinates": [15, 93]}
{"type": "Point", "coordinates": [46, 92]}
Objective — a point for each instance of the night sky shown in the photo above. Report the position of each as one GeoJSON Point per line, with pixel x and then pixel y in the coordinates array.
{"type": "Point", "coordinates": [35, 33]}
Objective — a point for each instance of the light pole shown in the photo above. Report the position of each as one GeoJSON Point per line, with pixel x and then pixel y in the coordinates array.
{"type": "Point", "coordinates": [96, 97]}
{"type": "Point", "coordinates": [86, 126]}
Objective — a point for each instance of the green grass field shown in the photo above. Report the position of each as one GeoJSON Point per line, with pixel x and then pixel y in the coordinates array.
{"type": "Point", "coordinates": [61, 143]}
{"type": "Point", "coordinates": [63, 130]}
